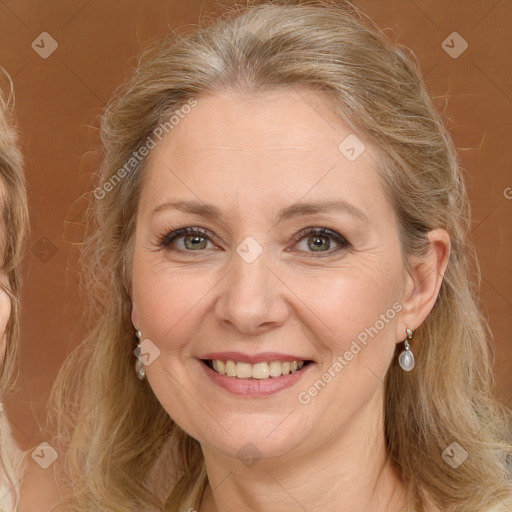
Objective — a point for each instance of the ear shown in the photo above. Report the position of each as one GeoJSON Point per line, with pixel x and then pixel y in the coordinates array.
{"type": "Point", "coordinates": [5, 314]}
{"type": "Point", "coordinates": [135, 316]}
{"type": "Point", "coordinates": [423, 281]}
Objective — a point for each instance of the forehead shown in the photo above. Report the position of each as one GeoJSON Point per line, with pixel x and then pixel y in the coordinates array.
{"type": "Point", "coordinates": [274, 147]}
{"type": "Point", "coordinates": [284, 123]}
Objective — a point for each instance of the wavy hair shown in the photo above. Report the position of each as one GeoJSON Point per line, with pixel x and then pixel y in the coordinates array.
{"type": "Point", "coordinates": [124, 452]}
{"type": "Point", "coordinates": [14, 227]}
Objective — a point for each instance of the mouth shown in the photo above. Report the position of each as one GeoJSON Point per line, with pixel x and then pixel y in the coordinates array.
{"type": "Point", "coordinates": [258, 371]}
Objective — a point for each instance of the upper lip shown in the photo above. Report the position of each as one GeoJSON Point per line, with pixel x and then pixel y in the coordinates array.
{"type": "Point", "coordinates": [252, 358]}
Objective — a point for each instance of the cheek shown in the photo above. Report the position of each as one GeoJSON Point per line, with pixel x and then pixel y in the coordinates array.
{"type": "Point", "coordinates": [5, 311]}
{"type": "Point", "coordinates": [348, 299]}
{"type": "Point", "coordinates": [358, 310]}
{"type": "Point", "coordinates": [5, 314]}
{"type": "Point", "coordinates": [166, 301]}
{"type": "Point", "coordinates": [357, 307]}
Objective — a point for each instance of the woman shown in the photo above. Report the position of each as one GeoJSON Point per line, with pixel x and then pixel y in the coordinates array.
{"type": "Point", "coordinates": [284, 315]}
{"type": "Point", "coordinates": [13, 231]}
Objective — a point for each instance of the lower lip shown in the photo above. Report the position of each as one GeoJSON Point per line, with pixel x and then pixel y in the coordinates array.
{"type": "Point", "coordinates": [255, 387]}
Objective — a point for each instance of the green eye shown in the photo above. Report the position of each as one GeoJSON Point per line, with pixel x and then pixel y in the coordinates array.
{"type": "Point", "coordinates": [194, 238]}
{"type": "Point", "coordinates": [319, 240]}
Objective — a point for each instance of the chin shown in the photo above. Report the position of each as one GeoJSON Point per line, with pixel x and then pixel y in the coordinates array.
{"type": "Point", "coordinates": [253, 439]}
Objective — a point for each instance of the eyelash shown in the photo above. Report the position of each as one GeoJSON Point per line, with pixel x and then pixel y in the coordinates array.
{"type": "Point", "coordinates": [165, 240]}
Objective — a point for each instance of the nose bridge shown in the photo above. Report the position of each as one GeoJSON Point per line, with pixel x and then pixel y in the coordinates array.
{"type": "Point", "coordinates": [250, 277]}
{"type": "Point", "coordinates": [251, 294]}
{"type": "Point", "coordinates": [250, 267]}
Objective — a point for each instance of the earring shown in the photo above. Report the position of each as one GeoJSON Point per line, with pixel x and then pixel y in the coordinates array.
{"type": "Point", "coordinates": [139, 366]}
{"type": "Point", "coordinates": [406, 357]}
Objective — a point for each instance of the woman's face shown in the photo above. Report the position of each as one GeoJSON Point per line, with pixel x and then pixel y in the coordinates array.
{"type": "Point", "coordinates": [255, 286]}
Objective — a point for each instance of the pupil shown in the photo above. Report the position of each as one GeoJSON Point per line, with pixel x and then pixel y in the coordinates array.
{"type": "Point", "coordinates": [318, 242]}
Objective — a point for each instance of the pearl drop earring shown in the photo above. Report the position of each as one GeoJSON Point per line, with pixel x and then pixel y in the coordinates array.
{"type": "Point", "coordinates": [139, 366]}
{"type": "Point", "coordinates": [406, 357]}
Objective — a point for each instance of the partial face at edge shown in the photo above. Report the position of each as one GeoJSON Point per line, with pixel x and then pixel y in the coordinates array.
{"type": "Point", "coordinates": [5, 314]}
{"type": "Point", "coordinates": [307, 295]}
{"type": "Point", "coordinates": [5, 300]}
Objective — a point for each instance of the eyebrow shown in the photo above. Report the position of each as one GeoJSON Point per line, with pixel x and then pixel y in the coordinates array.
{"type": "Point", "coordinates": [295, 210]}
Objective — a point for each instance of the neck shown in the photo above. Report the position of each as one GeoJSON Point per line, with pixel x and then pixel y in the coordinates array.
{"type": "Point", "coordinates": [350, 471]}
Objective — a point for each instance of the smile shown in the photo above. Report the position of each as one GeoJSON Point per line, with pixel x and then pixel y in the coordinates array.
{"type": "Point", "coordinates": [261, 371]}
{"type": "Point", "coordinates": [257, 379]}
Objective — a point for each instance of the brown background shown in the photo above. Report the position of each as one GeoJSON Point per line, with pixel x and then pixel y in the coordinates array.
{"type": "Point", "coordinates": [59, 99]}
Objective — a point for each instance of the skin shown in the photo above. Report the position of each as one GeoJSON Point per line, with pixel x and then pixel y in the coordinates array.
{"type": "Point", "coordinates": [250, 156]}
{"type": "Point", "coordinates": [5, 300]}
{"type": "Point", "coordinates": [5, 313]}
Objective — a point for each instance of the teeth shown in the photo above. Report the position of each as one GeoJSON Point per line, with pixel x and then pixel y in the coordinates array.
{"type": "Point", "coordinates": [275, 369]}
{"type": "Point", "coordinates": [243, 370]}
{"type": "Point", "coordinates": [258, 371]}
{"type": "Point", "coordinates": [230, 368]}
{"type": "Point", "coordinates": [218, 366]}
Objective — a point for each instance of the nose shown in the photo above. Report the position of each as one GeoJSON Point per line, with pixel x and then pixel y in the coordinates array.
{"type": "Point", "coordinates": [252, 297]}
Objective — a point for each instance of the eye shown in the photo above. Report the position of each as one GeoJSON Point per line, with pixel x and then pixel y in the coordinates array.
{"type": "Point", "coordinates": [318, 240]}
{"type": "Point", "coordinates": [194, 239]}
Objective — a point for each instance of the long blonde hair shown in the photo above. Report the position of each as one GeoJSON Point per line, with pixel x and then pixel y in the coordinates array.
{"type": "Point", "coordinates": [14, 228]}
{"type": "Point", "coordinates": [116, 433]}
